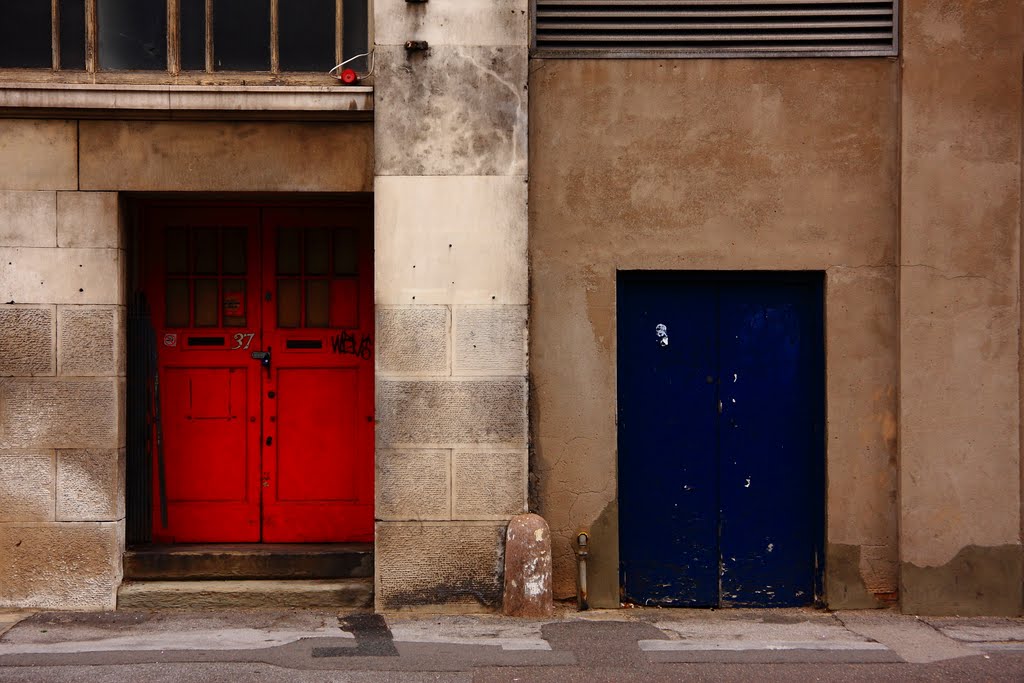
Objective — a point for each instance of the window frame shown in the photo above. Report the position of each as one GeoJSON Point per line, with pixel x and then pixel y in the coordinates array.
{"type": "Point", "coordinates": [173, 73]}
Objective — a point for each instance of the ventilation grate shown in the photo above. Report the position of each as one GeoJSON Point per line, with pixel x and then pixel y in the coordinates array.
{"type": "Point", "coordinates": [715, 28]}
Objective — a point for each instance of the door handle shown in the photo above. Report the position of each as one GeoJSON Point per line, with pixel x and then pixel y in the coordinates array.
{"type": "Point", "coordinates": [263, 357]}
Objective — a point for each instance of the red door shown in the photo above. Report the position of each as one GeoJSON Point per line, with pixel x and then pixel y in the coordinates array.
{"type": "Point", "coordinates": [264, 324]}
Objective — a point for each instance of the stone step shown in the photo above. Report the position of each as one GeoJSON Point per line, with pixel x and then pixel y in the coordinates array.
{"type": "Point", "coordinates": [249, 561]}
{"type": "Point", "coordinates": [317, 594]}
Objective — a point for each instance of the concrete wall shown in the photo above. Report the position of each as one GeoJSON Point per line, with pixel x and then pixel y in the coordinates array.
{"type": "Point", "coordinates": [451, 294]}
{"type": "Point", "coordinates": [714, 164]}
{"type": "Point", "coordinates": [960, 311]}
{"type": "Point", "coordinates": [62, 317]}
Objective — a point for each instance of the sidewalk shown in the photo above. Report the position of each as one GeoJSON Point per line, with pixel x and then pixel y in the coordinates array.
{"type": "Point", "coordinates": [612, 640]}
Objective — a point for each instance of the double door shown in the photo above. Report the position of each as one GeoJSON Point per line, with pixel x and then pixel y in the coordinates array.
{"type": "Point", "coordinates": [263, 320]}
{"type": "Point", "coordinates": [721, 438]}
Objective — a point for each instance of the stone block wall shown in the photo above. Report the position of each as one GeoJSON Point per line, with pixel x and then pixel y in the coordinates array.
{"type": "Point", "coordinates": [451, 293]}
{"type": "Point", "coordinates": [62, 368]}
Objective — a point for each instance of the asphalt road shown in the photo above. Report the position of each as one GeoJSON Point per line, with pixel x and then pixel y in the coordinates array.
{"type": "Point", "coordinates": [295, 647]}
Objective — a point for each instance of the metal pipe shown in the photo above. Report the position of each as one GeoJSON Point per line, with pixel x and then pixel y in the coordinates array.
{"type": "Point", "coordinates": [582, 550]}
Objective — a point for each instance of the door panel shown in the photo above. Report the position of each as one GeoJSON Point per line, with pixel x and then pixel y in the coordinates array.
{"type": "Point", "coordinates": [205, 418]}
{"type": "Point", "coordinates": [721, 442]}
{"type": "Point", "coordinates": [770, 443]}
{"type": "Point", "coordinates": [318, 411]}
{"type": "Point", "coordinates": [667, 442]}
{"type": "Point", "coordinates": [281, 453]}
{"type": "Point", "coordinates": [201, 271]}
{"type": "Point", "coordinates": [317, 434]}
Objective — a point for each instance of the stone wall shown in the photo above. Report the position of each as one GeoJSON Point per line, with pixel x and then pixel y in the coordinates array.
{"type": "Point", "coordinates": [62, 316]}
{"type": "Point", "coordinates": [62, 367]}
{"type": "Point", "coordinates": [451, 294]}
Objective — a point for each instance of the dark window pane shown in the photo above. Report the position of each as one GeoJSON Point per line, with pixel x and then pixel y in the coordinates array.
{"type": "Point", "coordinates": [345, 303]}
{"type": "Point", "coordinates": [206, 303]}
{"type": "Point", "coordinates": [318, 251]}
{"type": "Point", "coordinates": [318, 308]}
{"type": "Point", "coordinates": [289, 303]}
{"type": "Point", "coordinates": [288, 251]}
{"type": "Point", "coordinates": [176, 250]}
{"type": "Point", "coordinates": [306, 35]}
{"type": "Point", "coordinates": [177, 303]}
{"type": "Point", "coordinates": [346, 255]}
{"type": "Point", "coordinates": [25, 34]}
{"type": "Point", "coordinates": [133, 34]}
{"type": "Point", "coordinates": [234, 303]}
{"type": "Point", "coordinates": [204, 245]}
{"type": "Point", "coordinates": [355, 34]}
{"type": "Point", "coordinates": [193, 35]}
{"type": "Point", "coordinates": [72, 34]}
{"type": "Point", "coordinates": [241, 35]}
{"type": "Point", "coordinates": [234, 251]}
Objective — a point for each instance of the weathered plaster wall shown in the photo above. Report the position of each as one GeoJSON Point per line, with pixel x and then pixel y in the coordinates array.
{"type": "Point", "coordinates": [451, 294]}
{"type": "Point", "coordinates": [62, 317]}
{"type": "Point", "coordinates": [960, 307]}
{"type": "Point", "coordinates": [713, 164]}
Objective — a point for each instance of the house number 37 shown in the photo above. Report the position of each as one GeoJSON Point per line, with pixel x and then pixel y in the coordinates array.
{"type": "Point", "coordinates": [242, 340]}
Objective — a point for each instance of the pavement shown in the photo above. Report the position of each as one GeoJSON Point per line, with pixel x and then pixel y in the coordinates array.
{"type": "Point", "coordinates": [642, 644]}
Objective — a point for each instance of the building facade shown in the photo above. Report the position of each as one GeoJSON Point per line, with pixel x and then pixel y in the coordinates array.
{"type": "Point", "coordinates": [751, 321]}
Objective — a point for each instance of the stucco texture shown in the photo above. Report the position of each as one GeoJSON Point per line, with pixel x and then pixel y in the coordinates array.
{"type": "Point", "coordinates": [712, 165]}
{"type": "Point", "coordinates": [960, 306]}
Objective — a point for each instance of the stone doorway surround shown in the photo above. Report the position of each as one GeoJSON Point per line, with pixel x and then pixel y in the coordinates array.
{"type": "Point", "coordinates": [64, 185]}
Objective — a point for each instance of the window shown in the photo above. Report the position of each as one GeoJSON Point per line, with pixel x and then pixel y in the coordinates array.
{"type": "Point", "coordinates": [271, 36]}
{"type": "Point", "coordinates": [715, 28]}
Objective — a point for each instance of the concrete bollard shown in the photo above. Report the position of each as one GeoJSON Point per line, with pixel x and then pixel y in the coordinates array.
{"type": "Point", "coordinates": [528, 567]}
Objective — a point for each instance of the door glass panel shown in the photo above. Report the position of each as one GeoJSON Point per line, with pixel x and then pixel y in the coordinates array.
{"type": "Point", "coordinates": [346, 259]}
{"type": "Point", "coordinates": [25, 34]}
{"type": "Point", "coordinates": [289, 303]}
{"type": "Point", "coordinates": [193, 35]}
{"type": "Point", "coordinates": [234, 303]}
{"type": "Point", "coordinates": [234, 251]}
{"type": "Point", "coordinates": [288, 252]}
{"type": "Point", "coordinates": [176, 299]}
{"type": "Point", "coordinates": [306, 35]}
{"type": "Point", "coordinates": [206, 303]}
{"type": "Point", "coordinates": [205, 246]}
{"type": "Point", "coordinates": [241, 35]}
{"type": "Point", "coordinates": [317, 303]}
{"type": "Point", "coordinates": [72, 34]}
{"type": "Point", "coordinates": [176, 251]}
{"type": "Point", "coordinates": [133, 34]}
{"type": "Point", "coordinates": [318, 251]}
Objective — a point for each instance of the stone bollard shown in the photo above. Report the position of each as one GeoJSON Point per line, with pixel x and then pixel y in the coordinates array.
{"type": "Point", "coordinates": [528, 567]}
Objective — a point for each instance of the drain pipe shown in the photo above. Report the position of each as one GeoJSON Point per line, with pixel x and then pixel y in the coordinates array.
{"type": "Point", "coordinates": [582, 550]}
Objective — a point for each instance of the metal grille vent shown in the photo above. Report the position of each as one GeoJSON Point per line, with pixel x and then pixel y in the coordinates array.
{"type": "Point", "coordinates": [715, 28]}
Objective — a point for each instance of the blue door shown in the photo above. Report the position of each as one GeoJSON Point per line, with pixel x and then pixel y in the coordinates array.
{"type": "Point", "coordinates": [721, 438]}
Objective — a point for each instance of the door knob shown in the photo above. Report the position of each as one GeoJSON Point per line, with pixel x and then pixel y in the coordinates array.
{"type": "Point", "coordinates": [263, 357]}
